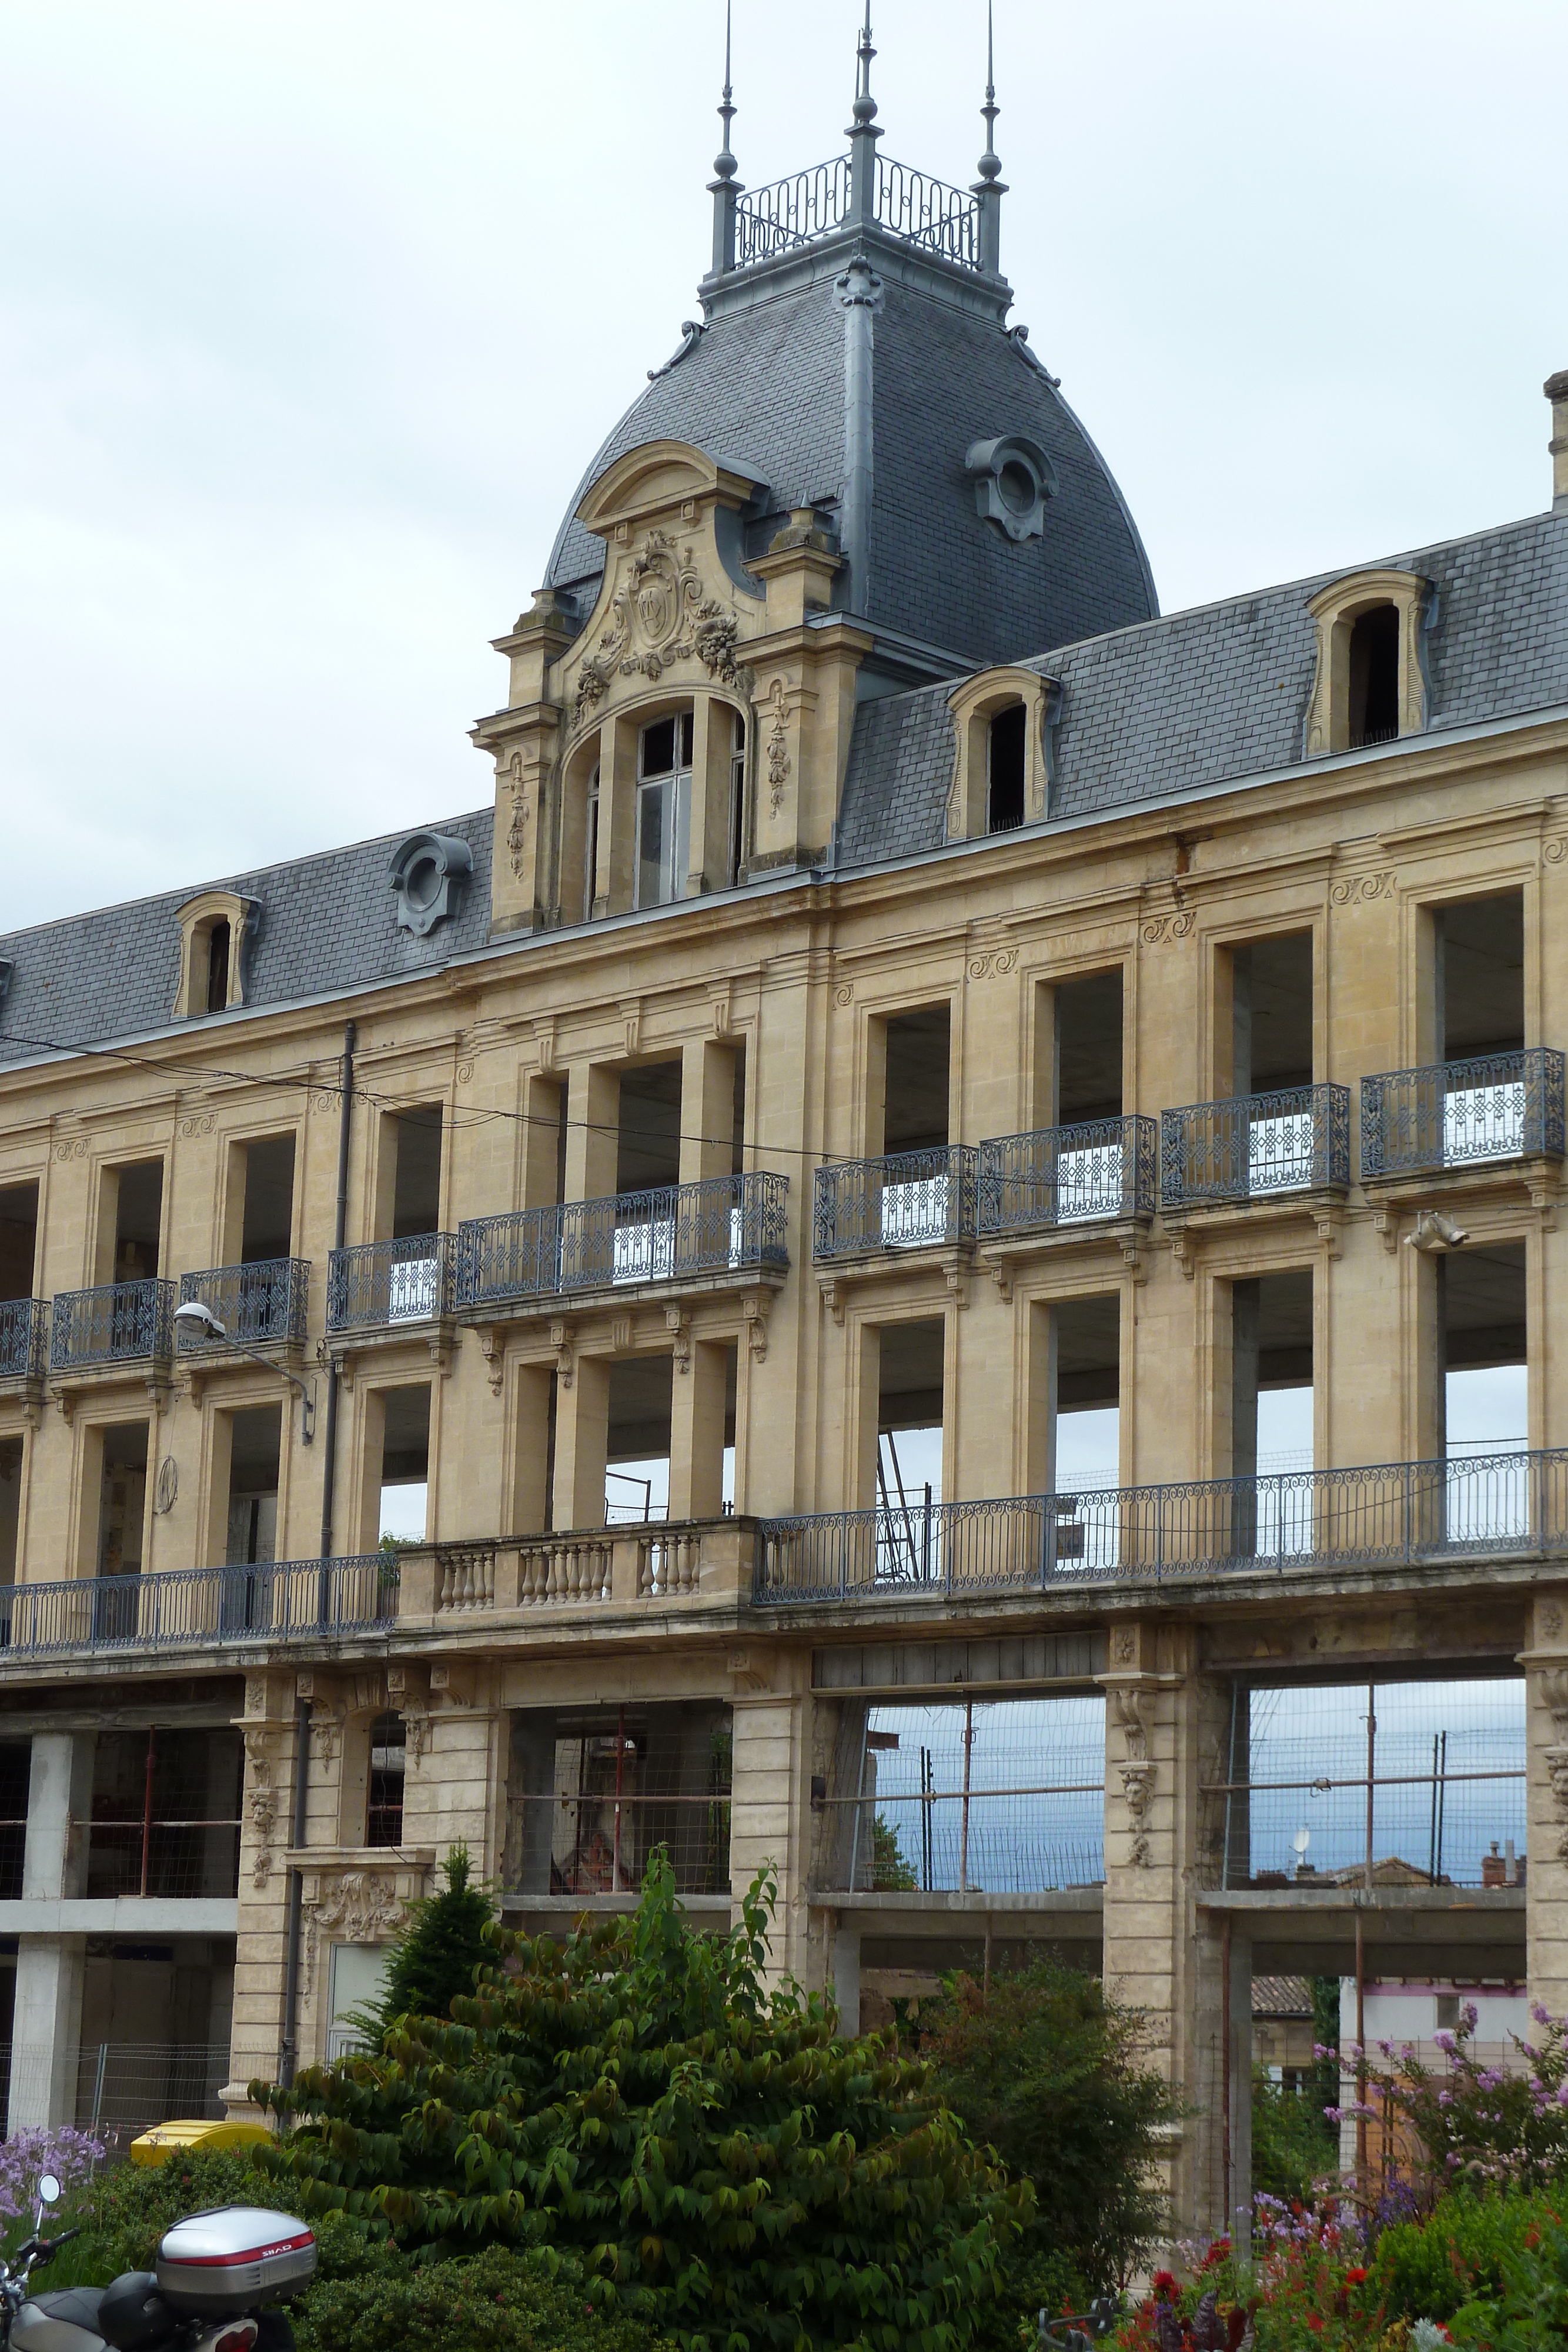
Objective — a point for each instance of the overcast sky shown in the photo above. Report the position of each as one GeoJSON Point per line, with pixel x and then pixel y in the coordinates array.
{"type": "Point", "coordinates": [311, 315]}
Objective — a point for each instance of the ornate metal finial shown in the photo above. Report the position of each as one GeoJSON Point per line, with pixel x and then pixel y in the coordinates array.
{"type": "Point", "coordinates": [865, 108]}
{"type": "Point", "coordinates": [724, 161]}
{"type": "Point", "coordinates": [991, 162]}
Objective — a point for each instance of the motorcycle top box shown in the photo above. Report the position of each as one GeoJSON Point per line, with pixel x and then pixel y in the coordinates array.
{"type": "Point", "coordinates": [216, 2264]}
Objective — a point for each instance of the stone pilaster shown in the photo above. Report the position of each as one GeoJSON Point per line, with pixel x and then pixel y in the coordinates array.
{"type": "Point", "coordinates": [1545, 1664]}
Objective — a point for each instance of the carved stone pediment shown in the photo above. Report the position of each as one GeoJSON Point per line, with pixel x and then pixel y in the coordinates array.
{"type": "Point", "coordinates": [660, 616]}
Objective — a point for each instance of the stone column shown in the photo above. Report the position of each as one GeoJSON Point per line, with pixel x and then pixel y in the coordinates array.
{"type": "Point", "coordinates": [771, 1801]}
{"type": "Point", "coordinates": [1545, 1664]}
{"type": "Point", "coordinates": [46, 2029]}
{"type": "Point", "coordinates": [1164, 1736]}
{"type": "Point", "coordinates": [696, 1432]}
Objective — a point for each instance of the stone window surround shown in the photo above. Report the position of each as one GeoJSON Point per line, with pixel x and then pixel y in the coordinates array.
{"type": "Point", "coordinates": [1336, 610]}
{"type": "Point", "coordinates": [612, 750]}
{"type": "Point", "coordinates": [196, 919]}
{"type": "Point", "coordinates": [974, 705]}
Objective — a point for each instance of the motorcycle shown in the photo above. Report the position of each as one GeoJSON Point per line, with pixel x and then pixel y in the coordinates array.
{"type": "Point", "coordinates": [215, 2272]}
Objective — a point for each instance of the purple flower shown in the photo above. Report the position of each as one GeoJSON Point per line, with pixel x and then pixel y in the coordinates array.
{"type": "Point", "coordinates": [1541, 2016]}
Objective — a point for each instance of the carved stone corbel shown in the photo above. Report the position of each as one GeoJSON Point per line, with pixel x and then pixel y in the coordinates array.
{"type": "Point", "coordinates": [563, 1340]}
{"type": "Point", "coordinates": [1385, 1225]}
{"type": "Point", "coordinates": [678, 1324]}
{"type": "Point", "coordinates": [833, 1298]}
{"type": "Point", "coordinates": [493, 1348]}
{"type": "Point", "coordinates": [755, 1308]}
{"type": "Point", "coordinates": [1183, 1251]}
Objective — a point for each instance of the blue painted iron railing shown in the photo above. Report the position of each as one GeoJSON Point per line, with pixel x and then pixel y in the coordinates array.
{"type": "Point", "coordinates": [1252, 1147]}
{"type": "Point", "coordinates": [725, 1223]}
{"type": "Point", "coordinates": [118, 1322]}
{"type": "Point", "coordinates": [264, 1300]}
{"type": "Point", "coordinates": [201, 1608]}
{"type": "Point", "coordinates": [23, 1339]}
{"type": "Point", "coordinates": [1463, 1114]}
{"type": "Point", "coordinates": [1384, 1514]}
{"type": "Point", "coordinates": [906, 1200]}
{"type": "Point", "coordinates": [1067, 1175]}
{"type": "Point", "coordinates": [380, 1285]}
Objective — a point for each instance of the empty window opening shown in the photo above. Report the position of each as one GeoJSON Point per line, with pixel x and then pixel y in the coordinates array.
{"type": "Point", "coordinates": [1374, 676]}
{"type": "Point", "coordinates": [1446, 1782]}
{"type": "Point", "coordinates": [1482, 1299]}
{"type": "Point", "coordinates": [121, 1522]}
{"type": "Point", "coordinates": [1272, 1416]}
{"type": "Point", "coordinates": [1086, 1391]}
{"type": "Point", "coordinates": [405, 1464]}
{"type": "Point", "coordinates": [590, 847]}
{"type": "Point", "coordinates": [138, 1218]}
{"type": "Point", "coordinates": [10, 1505]}
{"type": "Point", "coordinates": [16, 1771]}
{"type": "Point", "coordinates": [727, 1476]}
{"type": "Point", "coordinates": [594, 1793]}
{"type": "Point", "coordinates": [1002, 1797]}
{"type": "Point", "coordinates": [663, 809]}
{"type": "Point", "coordinates": [648, 1144]}
{"type": "Point", "coordinates": [389, 1768]}
{"type": "Point", "coordinates": [637, 1443]}
{"type": "Point", "coordinates": [416, 1180]}
{"type": "Point", "coordinates": [155, 2032]}
{"type": "Point", "coordinates": [1480, 976]}
{"type": "Point", "coordinates": [255, 1443]}
{"type": "Point", "coordinates": [738, 1114]}
{"type": "Point", "coordinates": [736, 798]}
{"type": "Point", "coordinates": [19, 1240]}
{"type": "Point", "coordinates": [1005, 770]}
{"type": "Point", "coordinates": [266, 1224]}
{"type": "Point", "coordinates": [914, 1115]}
{"type": "Point", "coordinates": [909, 1412]}
{"type": "Point", "coordinates": [1271, 1013]}
{"type": "Point", "coordinates": [218, 988]}
{"type": "Point", "coordinates": [166, 1812]}
{"type": "Point", "coordinates": [1088, 1048]}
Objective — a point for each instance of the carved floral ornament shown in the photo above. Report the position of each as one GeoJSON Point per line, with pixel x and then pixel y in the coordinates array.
{"type": "Point", "coordinates": [356, 1907]}
{"type": "Point", "coordinates": [1132, 1705]}
{"type": "Point", "coordinates": [660, 614]}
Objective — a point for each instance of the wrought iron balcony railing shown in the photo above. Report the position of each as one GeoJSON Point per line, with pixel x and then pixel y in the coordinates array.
{"type": "Point", "coordinates": [116, 1323]}
{"type": "Point", "coordinates": [381, 1286]}
{"type": "Point", "coordinates": [1463, 1114]}
{"type": "Point", "coordinates": [910, 204]}
{"type": "Point", "coordinates": [1254, 1146]}
{"type": "Point", "coordinates": [725, 1224]}
{"type": "Point", "coordinates": [24, 1341]}
{"type": "Point", "coordinates": [265, 1300]}
{"type": "Point", "coordinates": [1067, 1176]}
{"type": "Point", "coordinates": [1387, 1514]}
{"type": "Point", "coordinates": [201, 1608]}
{"type": "Point", "coordinates": [906, 1200]}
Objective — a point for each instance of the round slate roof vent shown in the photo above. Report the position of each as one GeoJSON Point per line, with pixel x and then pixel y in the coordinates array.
{"type": "Point", "coordinates": [1013, 478]}
{"type": "Point", "coordinates": [427, 872]}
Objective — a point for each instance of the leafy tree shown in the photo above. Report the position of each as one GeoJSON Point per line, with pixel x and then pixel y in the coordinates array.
{"type": "Point", "coordinates": [1293, 2144]}
{"type": "Point", "coordinates": [710, 2145]}
{"type": "Point", "coordinates": [891, 1872]}
{"type": "Point", "coordinates": [436, 1953]}
{"type": "Point", "coordinates": [1046, 2070]}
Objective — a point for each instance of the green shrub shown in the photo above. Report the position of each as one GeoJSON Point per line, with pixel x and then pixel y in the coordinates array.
{"type": "Point", "coordinates": [1293, 2144]}
{"type": "Point", "coordinates": [707, 2142]}
{"type": "Point", "coordinates": [1428, 2271]}
{"type": "Point", "coordinates": [498, 2300]}
{"type": "Point", "coordinates": [125, 2210]}
{"type": "Point", "coordinates": [1045, 2070]}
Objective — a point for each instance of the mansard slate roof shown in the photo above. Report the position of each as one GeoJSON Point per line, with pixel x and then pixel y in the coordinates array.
{"type": "Point", "coordinates": [1220, 693]}
{"type": "Point", "coordinates": [762, 386]}
{"type": "Point", "coordinates": [1198, 699]}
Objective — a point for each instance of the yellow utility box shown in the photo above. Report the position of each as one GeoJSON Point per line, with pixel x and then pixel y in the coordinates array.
{"type": "Point", "coordinates": [194, 2135]}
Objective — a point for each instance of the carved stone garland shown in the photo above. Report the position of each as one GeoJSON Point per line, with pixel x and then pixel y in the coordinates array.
{"type": "Point", "coordinates": [1132, 1705]}
{"type": "Point", "coordinates": [660, 614]}
{"type": "Point", "coordinates": [356, 1908]}
{"type": "Point", "coordinates": [1554, 1691]}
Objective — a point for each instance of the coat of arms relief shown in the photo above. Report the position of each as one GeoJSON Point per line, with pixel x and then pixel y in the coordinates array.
{"type": "Point", "coordinates": [659, 614]}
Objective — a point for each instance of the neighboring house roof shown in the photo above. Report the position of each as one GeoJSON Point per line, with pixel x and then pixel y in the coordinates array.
{"type": "Point", "coordinates": [1221, 692]}
{"type": "Point", "coordinates": [762, 387]}
{"type": "Point", "coordinates": [1174, 706]}
{"type": "Point", "coordinates": [1282, 1997]}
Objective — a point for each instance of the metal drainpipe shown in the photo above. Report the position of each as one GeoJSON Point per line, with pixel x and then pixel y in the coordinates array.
{"type": "Point", "coordinates": [302, 1715]}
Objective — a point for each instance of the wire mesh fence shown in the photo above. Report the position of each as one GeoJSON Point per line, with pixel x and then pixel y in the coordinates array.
{"type": "Point", "coordinates": [117, 2090]}
{"type": "Point", "coordinates": [967, 1796]}
{"type": "Point", "coordinates": [1414, 1782]}
{"type": "Point", "coordinates": [627, 1782]}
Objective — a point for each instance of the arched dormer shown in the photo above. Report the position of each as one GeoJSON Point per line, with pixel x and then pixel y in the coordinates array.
{"type": "Point", "coordinates": [1001, 775]}
{"type": "Point", "coordinates": [1371, 682]}
{"type": "Point", "coordinates": [216, 932]}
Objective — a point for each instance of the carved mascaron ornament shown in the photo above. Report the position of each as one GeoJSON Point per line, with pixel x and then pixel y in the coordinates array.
{"type": "Point", "coordinates": [659, 614]}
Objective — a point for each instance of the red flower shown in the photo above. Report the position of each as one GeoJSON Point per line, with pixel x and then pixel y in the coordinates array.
{"type": "Point", "coordinates": [1163, 2283]}
{"type": "Point", "coordinates": [1314, 2323]}
{"type": "Point", "coordinates": [1355, 2278]}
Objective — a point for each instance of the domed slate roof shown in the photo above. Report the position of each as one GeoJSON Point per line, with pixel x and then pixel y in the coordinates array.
{"type": "Point", "coordinates": [766, 383]}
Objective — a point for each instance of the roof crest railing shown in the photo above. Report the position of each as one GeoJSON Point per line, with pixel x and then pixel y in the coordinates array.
{"type": "Point", "coordinates": [909, 204]}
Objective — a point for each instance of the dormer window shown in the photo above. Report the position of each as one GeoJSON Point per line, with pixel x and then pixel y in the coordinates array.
{"type": "Point", "coordinates": [1371, 683]}
{"type": "Point", "coordinates": [1374, 676]}
{"type": "Point", "coordinates": [215, 934]}
{"type": "Point", "coordinates": [664, 808]}
{"type": "Point", "coordinates": [1005, 765]}
{"type": "Point", "coordinates": [591, 844]}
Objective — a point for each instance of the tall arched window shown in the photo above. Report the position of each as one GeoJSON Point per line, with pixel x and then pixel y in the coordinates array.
{"type": "Point", "coordinates": [663, 809]}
